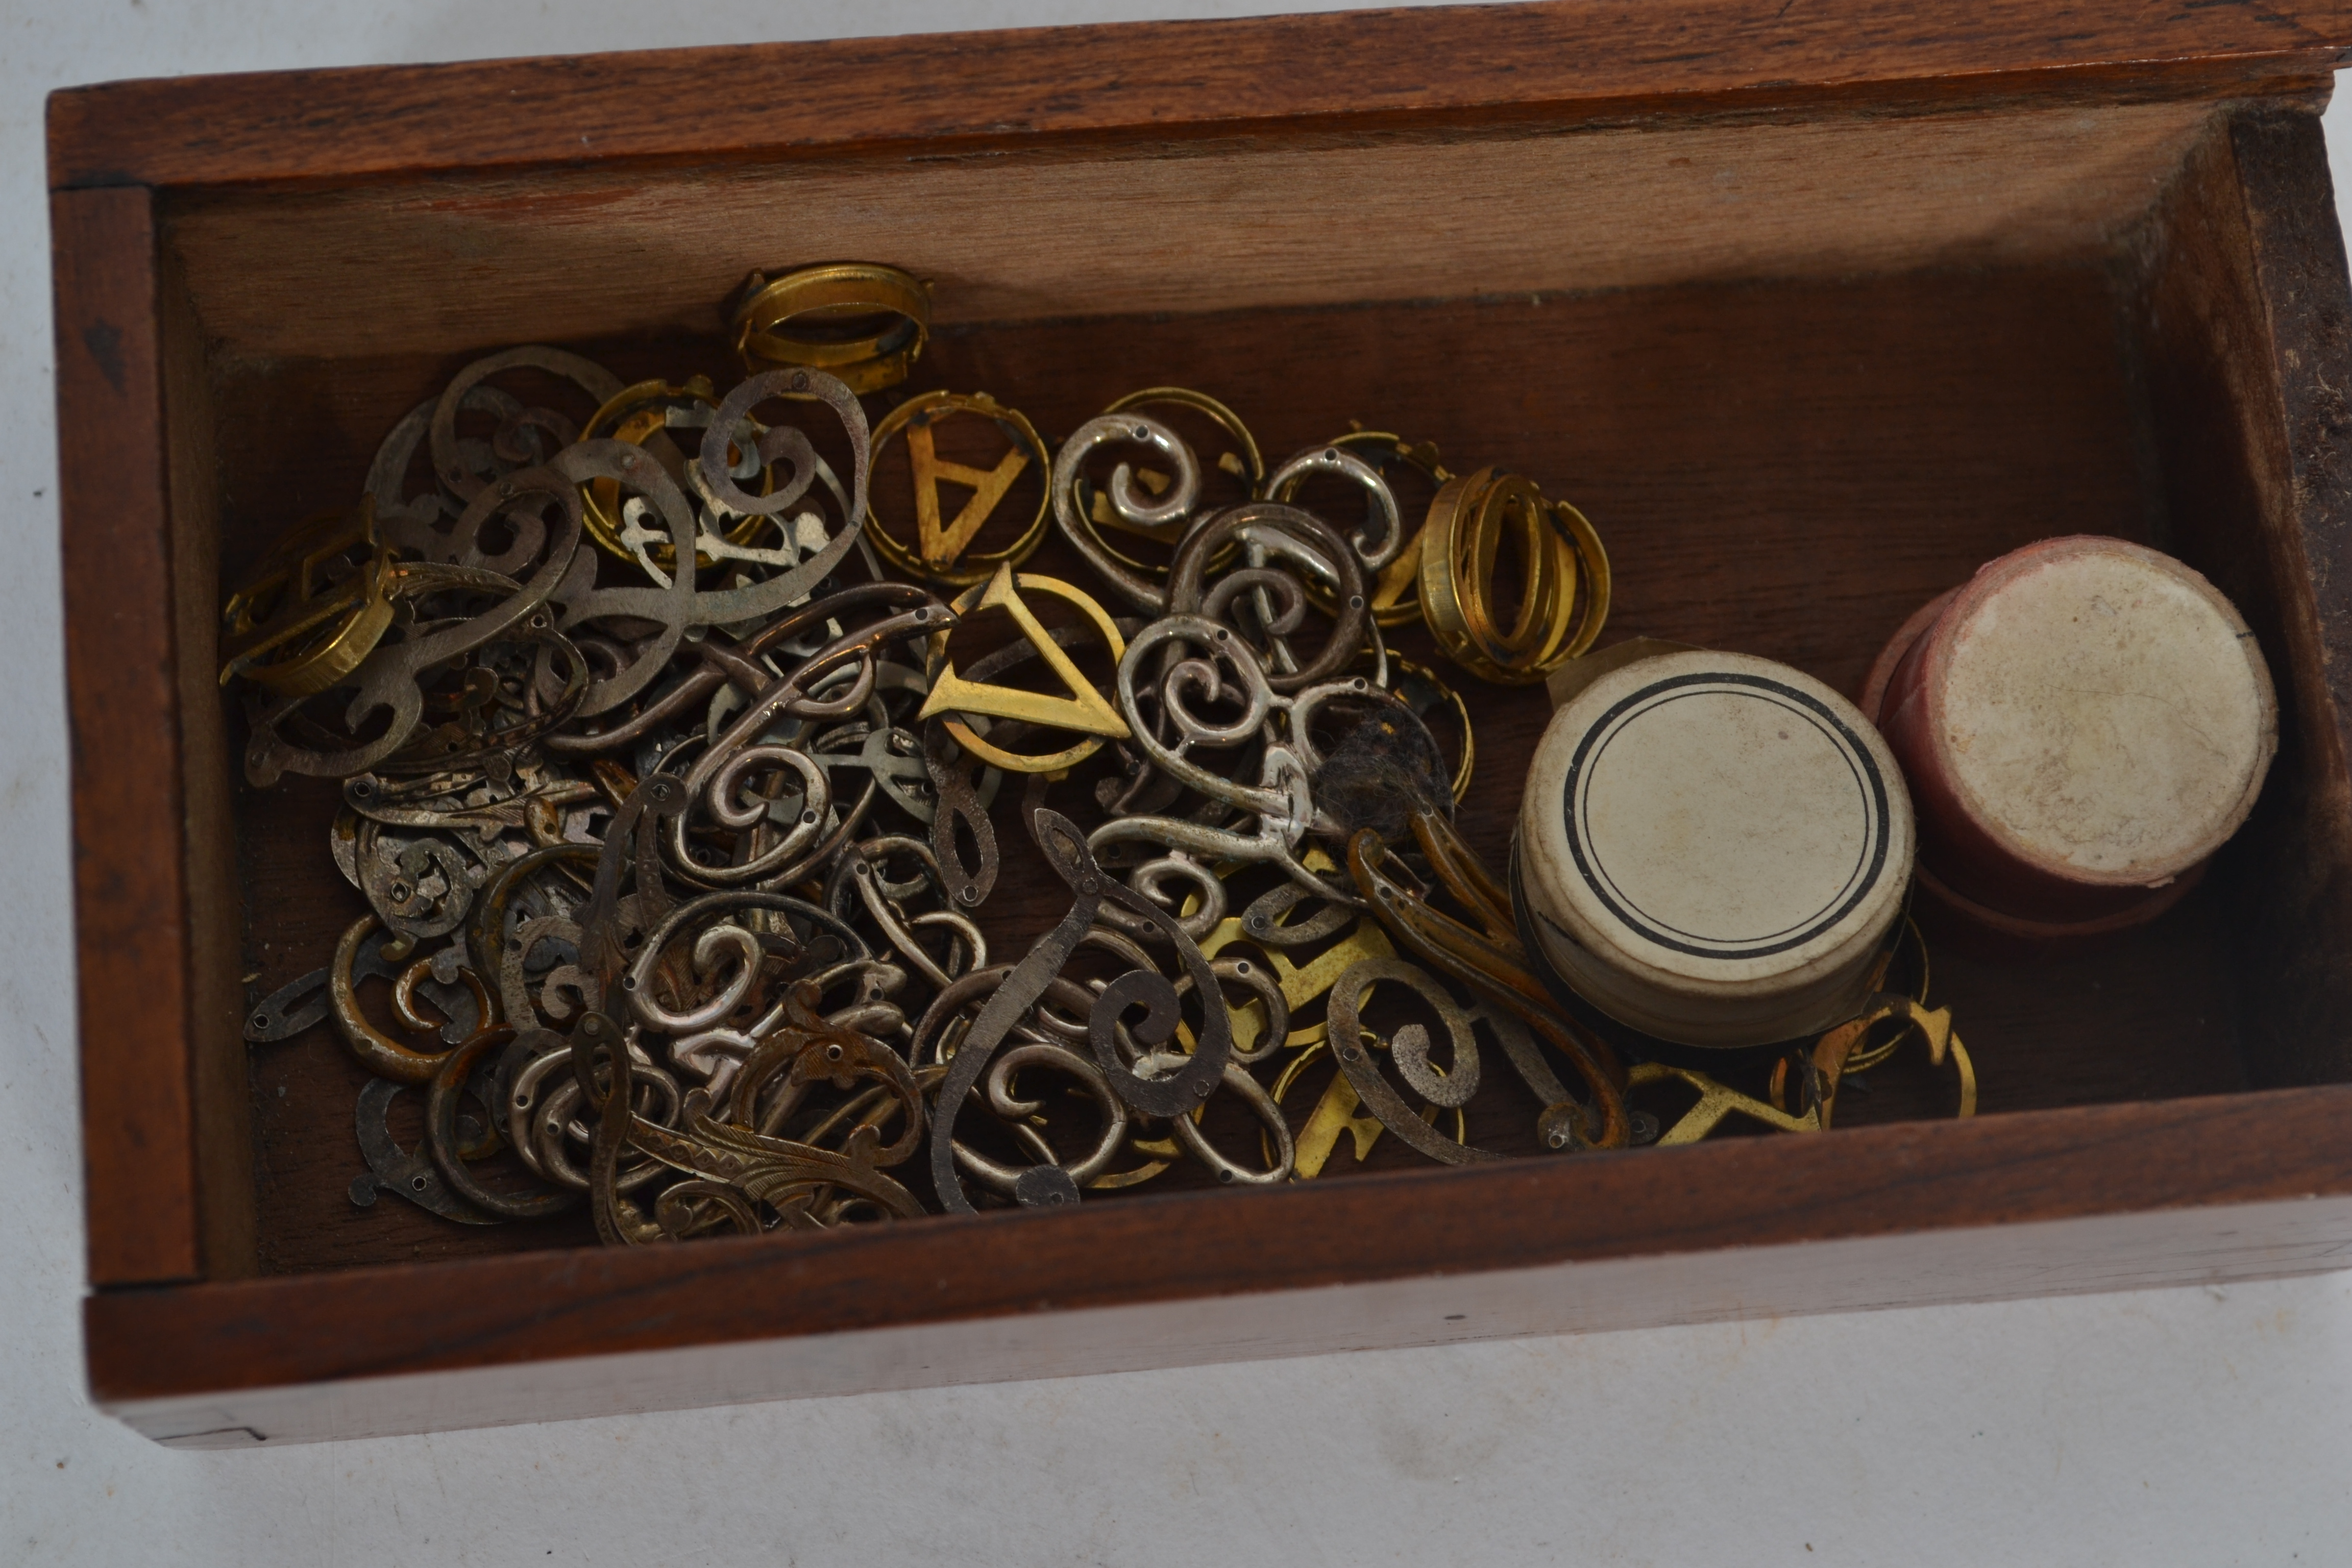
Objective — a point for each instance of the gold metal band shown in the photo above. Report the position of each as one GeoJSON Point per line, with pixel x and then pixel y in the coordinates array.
{"type": "Point", "coordinates": [840, 290]}
{"type": "Point", "coordinates": [1558, 553]}
{"type": "Point", "coordinates": [290, 629]}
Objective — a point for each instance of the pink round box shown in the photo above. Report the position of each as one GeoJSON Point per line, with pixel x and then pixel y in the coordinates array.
{"type": "Point", "coordinates": [2083, 723]}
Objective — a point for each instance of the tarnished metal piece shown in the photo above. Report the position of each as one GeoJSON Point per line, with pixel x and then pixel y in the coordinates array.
{"type": "Point", "coordinates": [288, 1011]}
{"type": "Point", "coordinates": [387, 680]}
{"type": "Point", "coordinates": [1270, 530]}
{"type": "Point", "coordinates": [675, 844]}
{"type": "Point", "coordinates": [380, 1052]}
{"type": "Point", "coordinates": [959, 817]}
{"type": "Point", "coordinates": [441, 1138]}
{"type": "Point", "coordinates": [682, 606]}
{"type": "Point", "coordinates": [1382, 537]}
{"type": "Point", "coordinates": [1492, 966]}
{"type": "Point", "coordinates": [392, 1169]}
{"type": "Point", "coordinates": [1166, 1093]}
{"type": "Point", "coordinates": [1355, 1046]}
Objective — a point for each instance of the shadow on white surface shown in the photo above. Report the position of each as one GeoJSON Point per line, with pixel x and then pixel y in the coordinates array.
{"type": "Point", "coordinates": [2184, 1426]}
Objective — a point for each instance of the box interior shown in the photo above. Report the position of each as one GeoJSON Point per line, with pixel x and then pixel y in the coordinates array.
{"type": "Point", "coordinates": [1802, 374]}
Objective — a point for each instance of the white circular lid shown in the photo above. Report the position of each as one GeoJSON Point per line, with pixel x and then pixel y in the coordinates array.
{"type": "Point", "coordinates": [2104, 712]}
{"type": "Point", "coordinates": [1713, 825]}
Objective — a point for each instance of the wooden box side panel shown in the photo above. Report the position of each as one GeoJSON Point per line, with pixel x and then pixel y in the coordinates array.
{"type": "Point", "coordinates": [2246, 342]}
{"type": "Point", "coordinates": [1567, 61]}
{"type": "Point", "coordinates": [2199, 1247]}
{"type": "Point", "coordinates": [124, 695]}
{"type": "Point", "coordinates": [218, 1066]}
{"type": "Point", "coordinates": [1109, 230]}
{"type": "Point", "coordinates": [2098, 1163]}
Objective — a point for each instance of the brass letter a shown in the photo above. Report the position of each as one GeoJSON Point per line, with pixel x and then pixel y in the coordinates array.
{"type": "Point", "coordinates": [941, 548]}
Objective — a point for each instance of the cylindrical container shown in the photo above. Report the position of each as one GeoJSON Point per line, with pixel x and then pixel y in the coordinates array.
{"type": "Point", "coordinates": [2084, 723]}
{"type": "Point", "coordinates": [1712, 848]}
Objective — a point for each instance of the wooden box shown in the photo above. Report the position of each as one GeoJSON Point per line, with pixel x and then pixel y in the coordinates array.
{"type": "Point", "coordinates": [1811, 310]}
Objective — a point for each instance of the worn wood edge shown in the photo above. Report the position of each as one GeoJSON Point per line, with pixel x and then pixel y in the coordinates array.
{"type": "Point", "coordinates": [1913, 1178]}
{"type": "Point", "coordinates": [2199, 336]}
{"type": "Point", "coordinates": [2277, 192]}
{"type": "Point", "coordinates": [2244, 329]}
{"type": "Point", "coordinates": [131, 848]}
{"type": "Point", "coordinates": [2305, 287]}
{"type": "Point", "coordinates": [2210, 1246]}
{"type": "Point", "coordinates": [1567, 59]}
{"type": "Point", "coordinates": [2297, 250]}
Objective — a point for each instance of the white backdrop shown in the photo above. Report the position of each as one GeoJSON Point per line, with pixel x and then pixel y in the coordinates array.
{"type": "Point", "coordinates": [2204, 1427]}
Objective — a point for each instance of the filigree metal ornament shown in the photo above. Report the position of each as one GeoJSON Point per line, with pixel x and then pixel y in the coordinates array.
{"type": "Point", "coordinates": [1165, 518]}
{"type": "Point", "coordinates": [388, 681]}
{"type": "Point", "coordinates": [1165, 1093]}
{"type": "Point", "coordinates": [676, 821]}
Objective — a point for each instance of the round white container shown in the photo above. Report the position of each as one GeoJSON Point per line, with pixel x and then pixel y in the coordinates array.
{"type": "Point", "coordinates": [1712, 847]}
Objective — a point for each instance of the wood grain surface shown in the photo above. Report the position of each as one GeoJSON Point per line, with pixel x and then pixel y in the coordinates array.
{"type": "Point", "coordinates": [2297, 245]}
{"type": "Point", "coordinates": [2152, 1249]}
{"type": "Point", "coordinates": [1880, 1181]}
{"type": "Point", "coordinates": [1257, 222]}
{"type": "Point", "coordinates": [217, 1068]}
{"type": "Point", "coordinates": [130, 847]}
{"type": "Point", "coordinates": [1559, 62]}
{"type": "Point", "coordinates": [2243, 306]}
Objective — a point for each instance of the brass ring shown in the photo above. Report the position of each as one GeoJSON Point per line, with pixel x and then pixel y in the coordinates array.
{"type": "Point", "coordinates": [867, 363]}
{"type": "Point", "coordinates": [292, 633]}
{"type": "Point", "coordinates": [1587, 540]}
{"type": "Point", "coordinates": [1561, 607]}
{"type": "Point", "coordinates": [1512, 504]}
{"type": "Point", "coordinates": [1440, 605]}
{"type": "Point", "coordinates": [1452, 701]}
